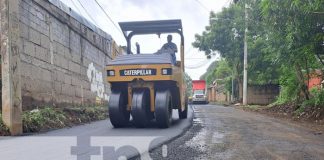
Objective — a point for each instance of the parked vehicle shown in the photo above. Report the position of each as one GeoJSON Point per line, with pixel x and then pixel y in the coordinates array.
{"type": "Point", "coordinates": [199, 91]}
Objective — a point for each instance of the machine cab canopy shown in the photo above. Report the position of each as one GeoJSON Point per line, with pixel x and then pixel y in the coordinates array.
{"type": "Point", "coordinates": [150, 27]}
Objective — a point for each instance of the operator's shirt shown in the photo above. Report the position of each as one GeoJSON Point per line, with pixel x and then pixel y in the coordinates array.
{"type": "Point", "coordinates": [173, 47]}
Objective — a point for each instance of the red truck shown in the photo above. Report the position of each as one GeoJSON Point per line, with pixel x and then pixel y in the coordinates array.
{"type": "Point", "coordinates": [199, 91]}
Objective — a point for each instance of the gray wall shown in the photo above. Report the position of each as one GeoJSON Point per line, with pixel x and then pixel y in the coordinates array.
{"type": "Point", "coordinates": [257, 94]}
{"type": "Point", "coordinates": [63, 57]}
{"type": "Point", "coordinates": [262, 94]}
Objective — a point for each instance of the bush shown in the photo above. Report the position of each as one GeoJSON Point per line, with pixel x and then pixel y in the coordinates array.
{"type": "Point", "coordinates": [289, 87]}
{"type": "Point", "coordinates": [53, 118]}
{"type": "Point", "coordinates": [300, 110]}
{"type": "Point", "coordinates": [49, 118]}
{"type": "Point", "coordinates": [4, 130]}
{"type": "Point", "coordinates": [316, 99]}
{"type": "Point", "coordinates": [43, 119]}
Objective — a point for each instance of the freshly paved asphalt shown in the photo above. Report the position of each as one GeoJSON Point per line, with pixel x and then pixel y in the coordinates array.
{"type": "Point", "coordinates": [95, 141]}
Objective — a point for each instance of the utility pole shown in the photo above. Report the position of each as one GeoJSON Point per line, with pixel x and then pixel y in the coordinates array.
{"type": "Point", "coordinates": [232, 95]}
{"type": "Point", "coordinates": [245, 58]}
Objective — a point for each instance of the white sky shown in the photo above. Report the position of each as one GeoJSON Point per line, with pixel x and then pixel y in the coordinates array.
{"type": "Point", "coordinates": [193, 13]}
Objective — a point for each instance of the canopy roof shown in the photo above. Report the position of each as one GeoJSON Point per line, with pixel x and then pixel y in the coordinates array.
{"type": "Point", "coordinates": [151, 27]}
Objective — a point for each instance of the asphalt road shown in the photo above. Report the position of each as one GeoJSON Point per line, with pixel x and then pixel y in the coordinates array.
{"type": "Point", "coordinates": [95, 141]}
{"type": "Point", "coordinates": [217, 132]}
{"type": "Point", "coordinates": [229, 133]}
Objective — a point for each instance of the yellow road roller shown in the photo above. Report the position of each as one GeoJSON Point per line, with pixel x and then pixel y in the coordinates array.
{"type": "Point", "coordinates": [147, 86]}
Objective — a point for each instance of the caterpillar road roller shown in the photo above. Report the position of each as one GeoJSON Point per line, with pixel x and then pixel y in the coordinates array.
{"type": "Point", "coordinates": [147, 86]}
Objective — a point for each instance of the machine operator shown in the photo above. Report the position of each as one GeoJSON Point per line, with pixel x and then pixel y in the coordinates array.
{"type": "Point", "coordinates": [172, 47]}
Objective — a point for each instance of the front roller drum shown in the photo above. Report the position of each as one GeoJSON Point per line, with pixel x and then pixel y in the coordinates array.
{"type": "Point", "coordinates": [118, 113]}
{"type": "Point", "coordinates": [141, 111]}
{"type": "Point", "coordinates": [163, 108]}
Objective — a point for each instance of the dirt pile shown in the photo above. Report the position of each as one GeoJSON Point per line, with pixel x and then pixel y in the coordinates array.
{"type": "Point", "coordinates": [310, 114]}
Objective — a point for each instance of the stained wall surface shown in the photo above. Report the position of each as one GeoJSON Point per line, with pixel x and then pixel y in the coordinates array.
{"type": "Point", "coordinates": [63, 56]}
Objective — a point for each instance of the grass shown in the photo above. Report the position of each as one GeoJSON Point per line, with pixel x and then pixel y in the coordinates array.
{"type": "Point", "coordinates": [3, 128]}
{"type": "Point", "coordinates": [49, 118]}
{"type": "Point", "coordinates": [43, 119]}
{"type": "Point", "coordinates": [253, 107]}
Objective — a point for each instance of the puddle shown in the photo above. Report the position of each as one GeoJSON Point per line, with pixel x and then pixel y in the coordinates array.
{"type": "Point", "coordinates": [197, 121]}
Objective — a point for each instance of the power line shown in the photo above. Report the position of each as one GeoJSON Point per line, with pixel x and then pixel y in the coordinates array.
{"type": "Point", "coordinates": [77, 8]}
{"type": "Point", "coordinates": [87, 13]}
{"type": "Point", "coordinates": [207, 9]}
{"type": "Point", "coordinates": [203, 63]}
{"type": "Point", "coordinates": [194, 58]}
{"type": "Point", "coordinates": [199, 64]}
{"type": "Point", "coordinates": [202, 5]}
{"type": "Point", "coordinates": [189, 52]}
{"type": "Point", "coordinates": [228, 2]}
{"type": "Point", "coordinates": [110, 19]}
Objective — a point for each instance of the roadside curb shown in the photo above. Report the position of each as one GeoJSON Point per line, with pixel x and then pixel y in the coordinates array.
{"type": "Point", "coordinates": [160, 144]}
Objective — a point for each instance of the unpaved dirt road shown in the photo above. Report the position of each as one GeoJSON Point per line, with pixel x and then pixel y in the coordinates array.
{"type": "Point", "coordinates": [228, 133]}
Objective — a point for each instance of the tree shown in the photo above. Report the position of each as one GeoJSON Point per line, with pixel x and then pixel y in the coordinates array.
{"type": "Point", "coordinates": [283, 39]}
{"type": "Point", "coordinates": [295, 31]}
{"type": "Point", "coordinates": [225, 34]}
{"type": "Point", "coordinates": [188, 81]}
{"type": "Point", "coordinates": [209, 75]}
{"type": "Point", "coordinates": [220, 72]}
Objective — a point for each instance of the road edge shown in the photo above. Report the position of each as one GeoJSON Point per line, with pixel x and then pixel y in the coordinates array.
{"type": "Point", "coordinates": [160, 144]}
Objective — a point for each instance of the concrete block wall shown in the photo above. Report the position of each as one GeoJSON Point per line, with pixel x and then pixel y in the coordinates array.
{"type": "Point", "coordinates": [217, 94]}
{"type": "Point", "coordinates": [262, 94]}
{"type": "Point", "coordinates": [63, 59]}
{"type": "Point", "coordinates": [257, 94]}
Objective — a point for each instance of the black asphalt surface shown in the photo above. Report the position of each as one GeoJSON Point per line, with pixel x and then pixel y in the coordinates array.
{"type": "Point", "coordinates": [95, 141]}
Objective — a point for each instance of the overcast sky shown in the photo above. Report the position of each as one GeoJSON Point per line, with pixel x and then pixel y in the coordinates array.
{"type": "Point", "coordinates": [193, 13]}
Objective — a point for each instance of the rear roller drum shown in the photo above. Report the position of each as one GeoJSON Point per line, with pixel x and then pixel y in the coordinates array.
{"type": "Point", "coordinates": [141, 112]}
{"type": "Point", "coordinates": [163, 108]}
{"type": "Point", "coordinates": [119, 116]}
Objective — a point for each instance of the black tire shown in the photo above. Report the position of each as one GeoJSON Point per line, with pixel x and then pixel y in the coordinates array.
{"type": "Point", "coordinates": [118, 114]}
{"type": "Point", "coordinates": [141, 112]}
{"type": "Point", "coordinates": [163, 108]}
{"type": "Point", "coordinates": [183, 114]}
